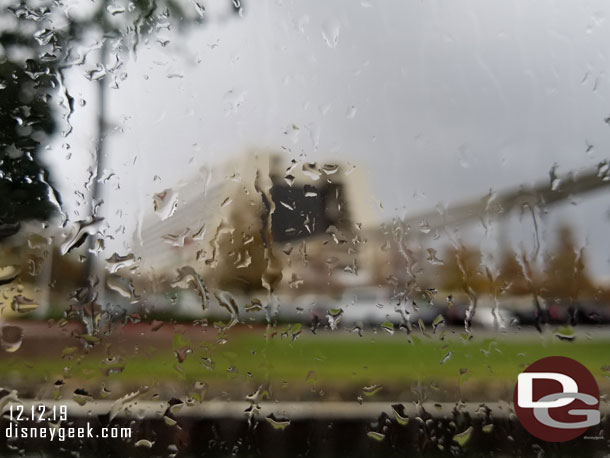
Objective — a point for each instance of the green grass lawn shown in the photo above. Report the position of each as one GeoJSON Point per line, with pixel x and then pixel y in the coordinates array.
{"type": "Point", "coordinates": [327, 359]}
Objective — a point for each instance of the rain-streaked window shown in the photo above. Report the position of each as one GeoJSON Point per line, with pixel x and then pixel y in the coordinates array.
{"type": "Point", "coordinates": [279, 228]}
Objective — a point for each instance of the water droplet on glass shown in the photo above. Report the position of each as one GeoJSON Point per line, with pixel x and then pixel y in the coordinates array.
{"type": "Point", "coordinates": [144, 443]}
{"type": "Point", "coordinates": [11, 338]}
{"type": "Point", "coordinates": [463, 437]}
{"type": "Point", "coordinates": [372, 390]}
{"type": "Point", "coordinates": [199, 8]}
{"type": "Point", "coordinates": [81, 396]}
{"type": "Point", "coordinates": [330, 33]}
{"type": "Point", "coordinates": [566, 334]}
{"type": "Point", "coordinates": [432, 258]}
{"type": "Point", "coordinates": [115, 9]}
{"type": "Point", "coordinates": [116, 261]}
{"type": "Point", "coordinates": [22, 304]}
{"type": "Point", "coordinates": [447, 357]}
{"type": "Point", "coordinates": [334, 318]}
{"type": "Point", "coordinates": [278, 424]}
{"type": "Point", "coordinates": [554, 179]}
{"type": "Point", "coordinates": [121, 285]}
{"type": "Point", "coordinates": [8, 274]}
{"type": "Point", "coordinates": [182, 353]}
{"type": "Point", "coordinates": [376, 436]}
{"type": "Point", "coordinates": [330, 169]}
{"type": "Point", "coordinates": [388, 327]}
{"type": "Point", "coordinates": [399, 414]}
{"type": "Point", "coordinates": [311, 170]}
{"type": "Point", "coordinates": [165, 203]}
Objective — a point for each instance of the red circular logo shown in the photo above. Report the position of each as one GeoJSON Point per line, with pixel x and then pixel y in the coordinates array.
{"type": "Point", "coordinates": [556, 399]}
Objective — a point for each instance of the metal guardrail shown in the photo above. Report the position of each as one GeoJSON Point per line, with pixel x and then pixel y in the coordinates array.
{"type": "Point", "coordinates": [332, 410]}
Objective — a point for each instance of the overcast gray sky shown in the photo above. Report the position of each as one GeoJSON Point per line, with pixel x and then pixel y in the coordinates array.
{"type": "Point", "coordinates": [437, 100]}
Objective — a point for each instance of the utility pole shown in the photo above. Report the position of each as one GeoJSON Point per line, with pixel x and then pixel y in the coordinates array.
{"type": "Point", "coordinates": [95, 268]}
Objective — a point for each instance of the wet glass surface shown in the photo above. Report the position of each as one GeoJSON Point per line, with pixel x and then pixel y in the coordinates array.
{"type": "Point", "coordinates": [319, 229]}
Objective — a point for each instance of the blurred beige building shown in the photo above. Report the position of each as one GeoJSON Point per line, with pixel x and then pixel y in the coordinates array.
{"type": "Point", "coordinates": [263, 221]}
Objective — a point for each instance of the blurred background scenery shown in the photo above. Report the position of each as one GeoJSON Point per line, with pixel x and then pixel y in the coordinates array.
{"type": "Point", "coordinates": [319, 228]}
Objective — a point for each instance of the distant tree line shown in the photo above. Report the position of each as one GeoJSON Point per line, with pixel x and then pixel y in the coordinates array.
{"type": "Point", "coordinates": [563, 274]}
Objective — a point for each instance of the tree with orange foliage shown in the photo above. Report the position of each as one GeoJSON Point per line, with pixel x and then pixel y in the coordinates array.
{"type": "Point", "coordinates": [565, 272]}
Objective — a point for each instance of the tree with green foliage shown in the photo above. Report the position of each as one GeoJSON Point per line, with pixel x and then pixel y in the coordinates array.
{"type": "Point", "coordinates": [38, 42]}
{"type": "Point", "coordinates": [28, 68]}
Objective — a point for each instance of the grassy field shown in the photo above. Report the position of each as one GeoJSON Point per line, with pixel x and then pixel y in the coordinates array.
{"type": "Point", "coordinates": [335, 362]}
